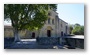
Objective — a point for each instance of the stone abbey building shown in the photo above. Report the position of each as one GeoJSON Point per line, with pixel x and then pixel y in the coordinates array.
{"type": "Point", "coordinates": [54, 27]}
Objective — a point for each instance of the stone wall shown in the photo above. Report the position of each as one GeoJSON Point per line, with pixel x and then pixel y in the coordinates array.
{"type": "Point", "coordinates": [48, 40]}
{"type": "Point", "coordinates": [74, 42]}
{"type": "Point", "coordinates": [80, 43]}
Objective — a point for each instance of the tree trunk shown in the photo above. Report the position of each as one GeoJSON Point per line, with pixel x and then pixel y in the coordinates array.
{"type": "Point", "coordinates": [38, 33]}
{"type": "Point", "coordinates": [16, 35]}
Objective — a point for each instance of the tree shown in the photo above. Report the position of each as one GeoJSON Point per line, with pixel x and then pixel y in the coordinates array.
{"type": "Point", "coordinates": [82, 30]}
{"type": "Point", "coordinates": [71, 28]}
{"type": "Point", "coordinates": [27, 16]}
{"type": "Point", "coordinates": [77, 24]}
{"type": "Point", "coordinates": [78, 30]}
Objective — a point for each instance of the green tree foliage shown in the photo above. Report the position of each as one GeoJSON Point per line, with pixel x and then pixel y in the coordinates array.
{"type": "Point", "coordinates": [27, 16]}
{"type": "Point", "coordinates": [71, 28]}
{"type": "Point", "coordinates": [82, 30]}
{"type": "Point", "coordinates": [77, 24]}
{"type": "Point", "coordinates": [78, 30]}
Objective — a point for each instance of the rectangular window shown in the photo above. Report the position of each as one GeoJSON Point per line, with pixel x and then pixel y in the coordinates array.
{"type": "Point", "coordinates": [49, 21]}
{"type": "Point", "coordinates": [61, 24]}
{"type": "Point", "coordinates": [66, 29]}
{"type": "Point", "coordinates": [52, 21]}
{"type": "Point", "coordinates": [49, 14]}
{"type": "Point", "coordinates": [56, 16]}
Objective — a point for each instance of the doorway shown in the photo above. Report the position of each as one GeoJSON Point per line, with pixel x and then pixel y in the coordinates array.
{"type": "Point", "coordinates": [33, 35]}
{"type": "Point", "coordinates": [62, 33]}
{"type": "Point", "coordinates": [49, 33]}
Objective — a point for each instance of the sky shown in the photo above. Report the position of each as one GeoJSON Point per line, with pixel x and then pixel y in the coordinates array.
{"type": "Point", "coordinates": [71, 13]}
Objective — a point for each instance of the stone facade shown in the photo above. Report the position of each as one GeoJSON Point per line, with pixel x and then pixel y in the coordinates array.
{"type": "Point", "coordinates": [54, 27]}
{"type": "Point", "coordinates": [8, 31]}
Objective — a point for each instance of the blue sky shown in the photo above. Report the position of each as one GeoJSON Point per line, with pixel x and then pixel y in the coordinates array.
{"type": "Point", "coordinates": [71, 13]}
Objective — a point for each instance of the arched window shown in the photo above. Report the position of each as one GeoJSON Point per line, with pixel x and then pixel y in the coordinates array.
{"type": "Point", "coordinates": [49, 21]}
{"type": "Point", "coordinates": [52, 21]}
{"type": "Point", "coordinates": [49, 13]}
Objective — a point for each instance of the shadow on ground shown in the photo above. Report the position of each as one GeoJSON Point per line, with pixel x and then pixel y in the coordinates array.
{"type": "Point", "coordinates": [27, 44]}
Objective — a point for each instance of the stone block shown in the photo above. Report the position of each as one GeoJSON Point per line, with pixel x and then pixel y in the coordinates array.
{"type": "Point", "coordinates": [48, 40]}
